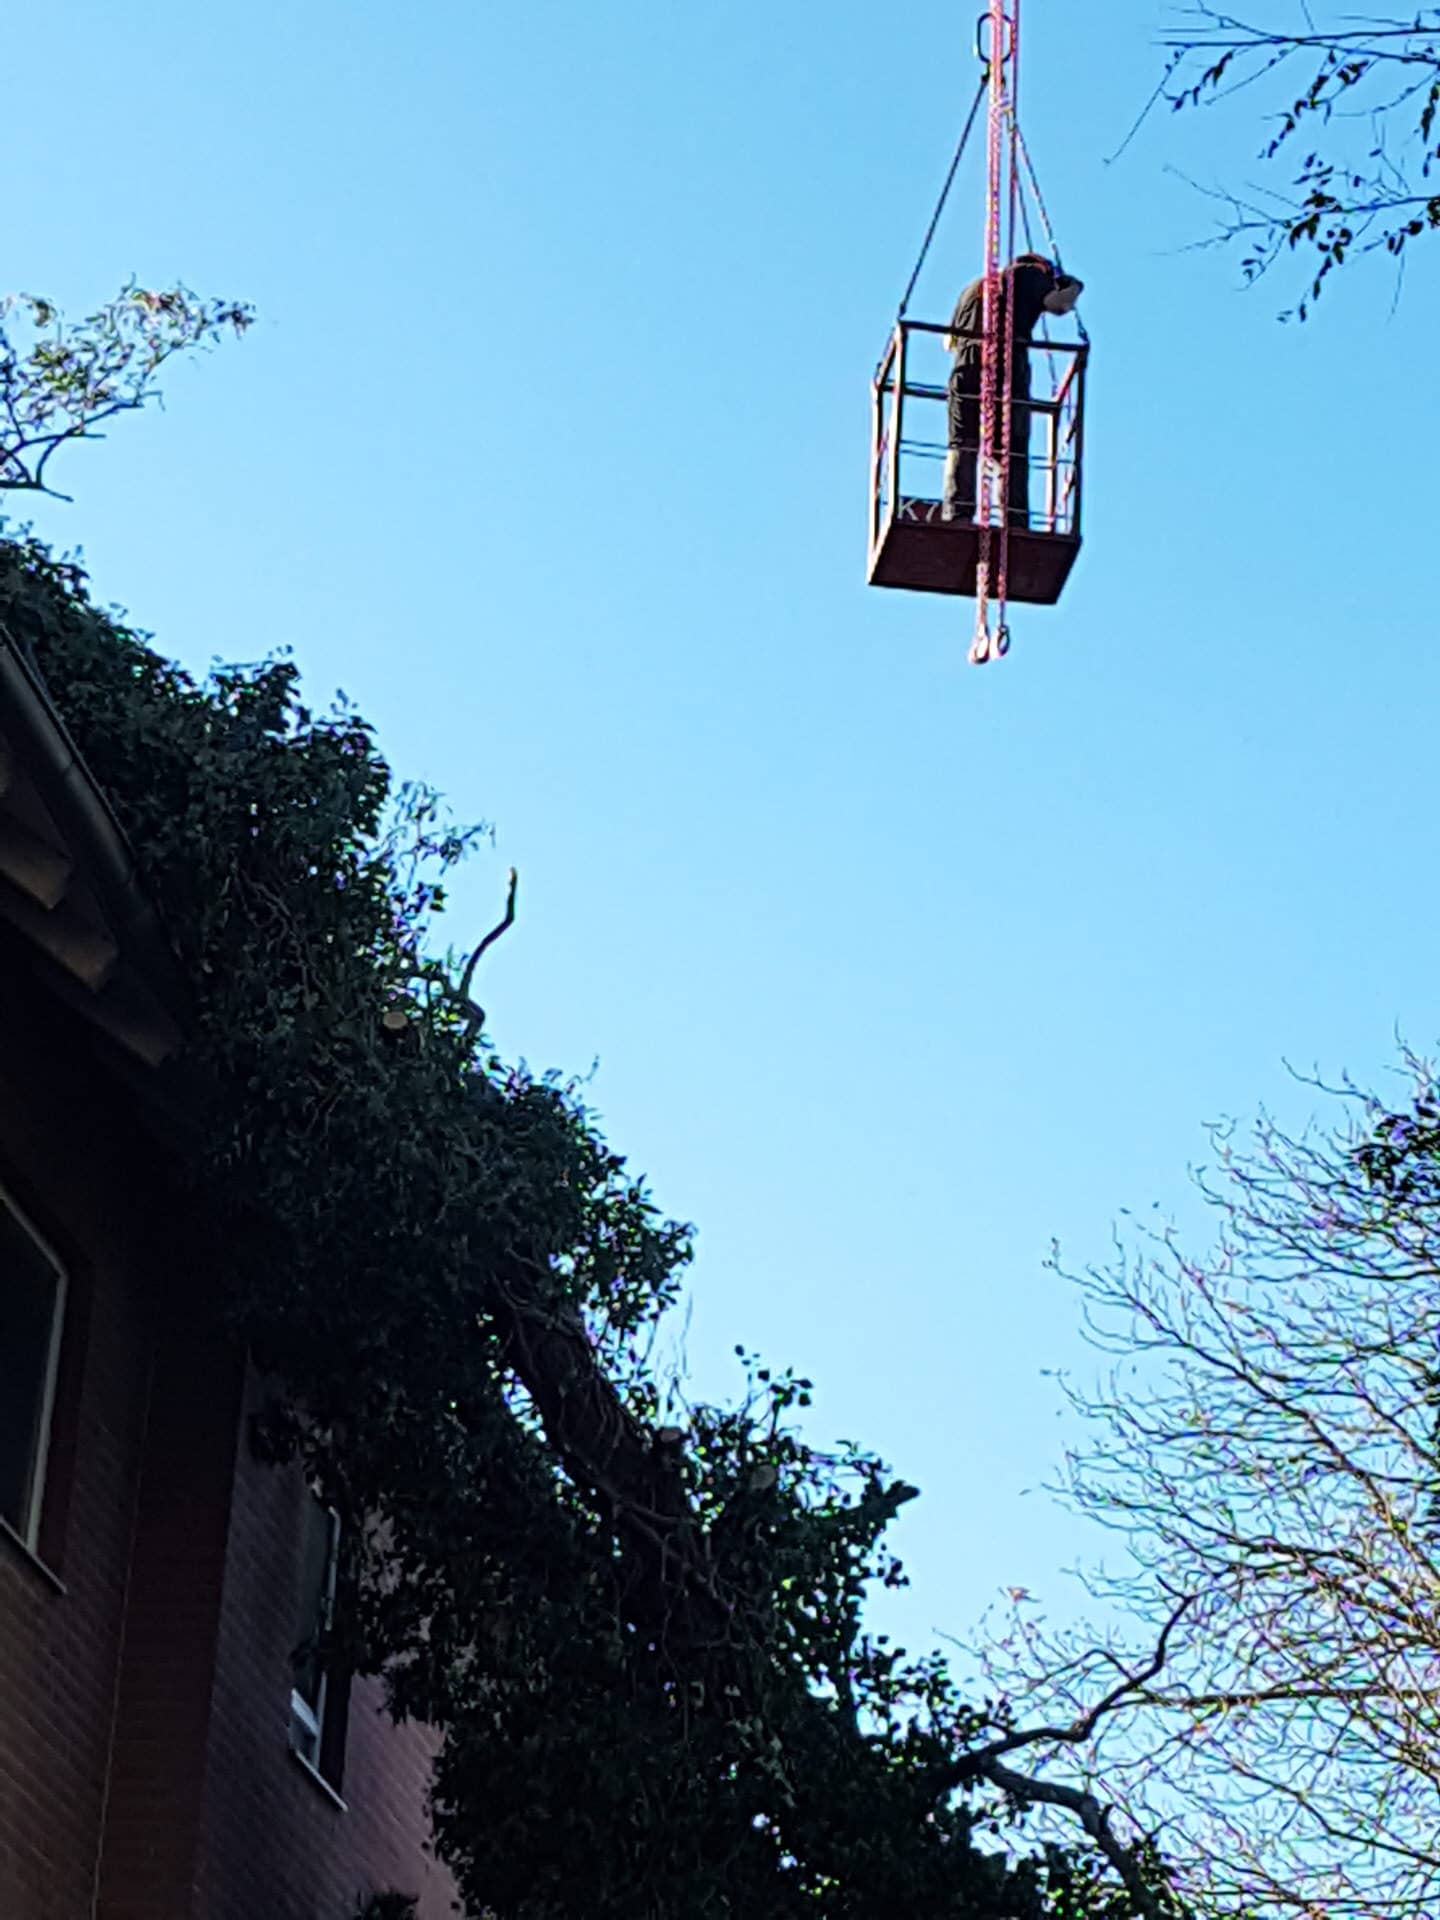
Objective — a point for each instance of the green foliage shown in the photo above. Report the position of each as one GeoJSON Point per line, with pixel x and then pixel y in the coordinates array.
{"type": "Point", "coordinates": [59, 383]}
{"type": "Point", "coordinates": [638, 1623]}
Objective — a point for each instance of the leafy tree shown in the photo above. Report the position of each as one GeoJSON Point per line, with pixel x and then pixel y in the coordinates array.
{"type": "Point", "coordinates": [1266, 1445]}
{"type": "Point", "coordinates": [60, 383]}
{"type": "Point", "coordinates": [637, 1622]}
{"type": "Point", "coordinates": [1354, 102]}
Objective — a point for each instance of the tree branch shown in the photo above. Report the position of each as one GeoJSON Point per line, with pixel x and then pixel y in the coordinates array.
{"type": "Point", "coordinates": [1077, 1731]}
{"type": "Point", "coordinates": [1095, 1819]}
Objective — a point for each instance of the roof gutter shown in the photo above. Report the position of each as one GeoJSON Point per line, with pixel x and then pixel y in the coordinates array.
{"type": "Point", "coordinates": [85, 818]}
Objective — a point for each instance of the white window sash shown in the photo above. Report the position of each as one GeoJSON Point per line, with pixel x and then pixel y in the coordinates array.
{"type": "Point", "coordinates": [29, 1528]}
{"type": "Point", "coordinates": [311, 1719]}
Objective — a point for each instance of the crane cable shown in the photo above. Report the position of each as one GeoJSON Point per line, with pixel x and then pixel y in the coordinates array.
{"type": "Point", "coordinates": [941, 203]}
{"type": "Point", "coordinates": [1051, 242]}
{"type": "Point", "coordinates": [1007, 425]}
{"type": "Point", "coordinates": [1010, 171]}
{"type": "Point", "coordinates": [993, 563]}
{"type": "Point", "coordinates": [944, 193]}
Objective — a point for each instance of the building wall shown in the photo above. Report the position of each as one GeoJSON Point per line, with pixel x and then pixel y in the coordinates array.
{"type": "Point", "coordinates": [316, 1856]}
{"type": "Point", "coordinates": [59, 1649]}
{"type": "Point", "coordinates": [145, 1770]}
{"type": "Point", "coordinates": [164, 1698]}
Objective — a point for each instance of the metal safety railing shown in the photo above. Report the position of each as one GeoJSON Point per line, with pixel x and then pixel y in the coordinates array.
{"type": "Point", "coordinates": [1056, 403]}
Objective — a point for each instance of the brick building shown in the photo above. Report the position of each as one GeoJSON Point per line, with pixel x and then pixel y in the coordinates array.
{"type": "Point", "coordinates": [168, 1749]}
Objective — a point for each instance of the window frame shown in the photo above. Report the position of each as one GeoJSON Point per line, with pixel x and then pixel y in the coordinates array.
{"type": "Point", "coordinates": [311, 1734]}
{"type": "Point", "coordinates": [27, 1532]}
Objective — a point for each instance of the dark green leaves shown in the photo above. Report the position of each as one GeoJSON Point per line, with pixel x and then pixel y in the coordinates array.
{"type": "Point", "coordinates": [637, 1622]}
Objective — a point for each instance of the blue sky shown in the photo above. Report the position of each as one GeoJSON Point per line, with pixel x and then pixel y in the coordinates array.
{"type": "Point", "coordinates": [549, 447]}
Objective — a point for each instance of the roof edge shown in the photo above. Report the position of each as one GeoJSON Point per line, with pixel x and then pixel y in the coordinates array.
{"type": "Point", "coordinates": [88, 822]}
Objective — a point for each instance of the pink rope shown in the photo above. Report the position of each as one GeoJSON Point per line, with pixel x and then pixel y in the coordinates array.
{"type": "Point", "coordinates": [995, 395]}
{"type": "Point", "coordinates": [990, 315]}
{"type": "Point", "coordinates": [1002, 594]}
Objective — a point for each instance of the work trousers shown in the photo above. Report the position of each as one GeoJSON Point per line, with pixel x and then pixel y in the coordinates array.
{"type": "Point", "coordinates": [963, 458]}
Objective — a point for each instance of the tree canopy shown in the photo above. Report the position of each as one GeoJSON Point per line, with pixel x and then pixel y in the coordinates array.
{"type": "Point", "coordinates": [638, 1622]}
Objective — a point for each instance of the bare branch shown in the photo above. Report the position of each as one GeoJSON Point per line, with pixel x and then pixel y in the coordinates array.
{"type": "Point", "coordinates": [508, 920]}
{"type": "Point", "coordinates": [1267, 1447]}
{"type": "Point", "coordinates": [1345, 196]}
{"type": "Point", "coordinates": [1027, 1790]}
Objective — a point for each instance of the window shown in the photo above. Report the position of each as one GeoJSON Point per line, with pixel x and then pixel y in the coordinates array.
{"type": "Point", "coordinates": [318, 1693]}
{"type": "Point", "coordinates": [32, 1305]}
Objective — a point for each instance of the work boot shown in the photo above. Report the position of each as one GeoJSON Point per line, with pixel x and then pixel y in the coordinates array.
{"type": "Point", "coordinates": [959, 467]}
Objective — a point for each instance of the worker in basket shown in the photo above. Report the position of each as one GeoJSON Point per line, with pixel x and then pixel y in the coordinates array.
{"type": "Point", "coordinates": [1029, 287]}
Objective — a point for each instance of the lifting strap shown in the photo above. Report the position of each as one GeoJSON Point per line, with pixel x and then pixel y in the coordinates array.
{"type": "Point", "coordinates": [996, 402]}
{"type": "Point", "coordinates": [1052, 245]}
{"type": "Point", "coordinates": [944, 194]}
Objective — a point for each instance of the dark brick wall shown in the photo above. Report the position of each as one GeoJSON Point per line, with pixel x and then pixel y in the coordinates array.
{"type": "Point", "coordinates": [59, 1652]}
{"type": "Point", "coordinates": [166, 1683]}
{"type": "Point", "coordinates": [315, 1858]}
{"type": "Point", "coordinates": [148, 1701]}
